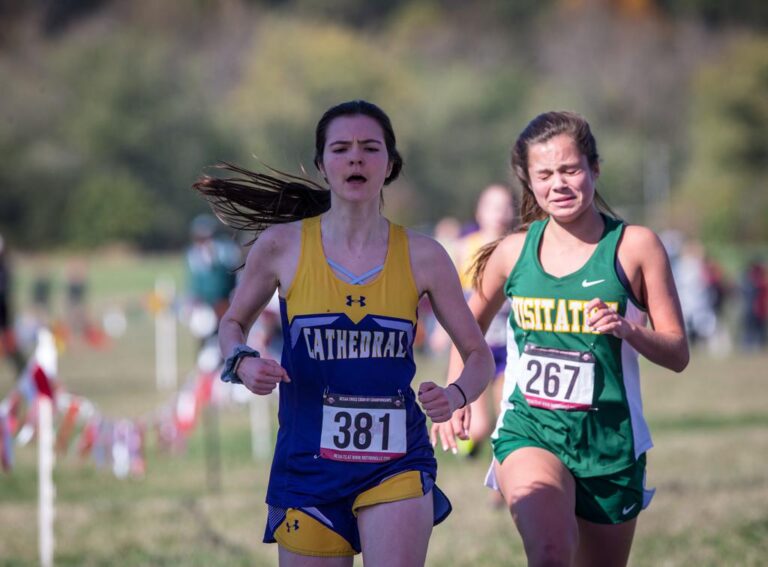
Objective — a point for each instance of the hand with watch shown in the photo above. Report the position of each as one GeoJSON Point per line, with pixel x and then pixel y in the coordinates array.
{"type": "Point", "coordinates": [260, 375]}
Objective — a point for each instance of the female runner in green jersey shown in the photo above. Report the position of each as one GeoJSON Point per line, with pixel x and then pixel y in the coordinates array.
{"type": "Point", "coordinates": [570, 442]}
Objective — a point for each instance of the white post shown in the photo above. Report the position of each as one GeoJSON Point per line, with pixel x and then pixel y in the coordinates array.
{"type": "Point", "coordinates": [46, 490]}
{"type": "Point", "coordinates": [261, 427]}
{"type": "Point", "coordinates": [46, 357]}
{"type": "Point", "coordinates": [166, 371]}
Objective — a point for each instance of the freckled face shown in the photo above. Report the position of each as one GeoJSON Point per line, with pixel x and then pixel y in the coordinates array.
{"type": "Point", "coordinates": [355, 158]}
{"type": "Point", "coordinates": [561, 178]}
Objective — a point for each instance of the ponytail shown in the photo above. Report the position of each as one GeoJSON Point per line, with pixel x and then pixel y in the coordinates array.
{"type": "Point", "coordinates": [253, 201]}
{"type": "Point", "coordinates": [480, 260]}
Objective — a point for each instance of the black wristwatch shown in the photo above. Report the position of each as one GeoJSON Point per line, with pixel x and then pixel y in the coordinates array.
{"type": "Point", "coordinates": [229, 372]}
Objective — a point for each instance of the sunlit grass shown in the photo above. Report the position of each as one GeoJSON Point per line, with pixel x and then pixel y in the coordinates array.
{"type": "Point", "coordinates": [709, 468]}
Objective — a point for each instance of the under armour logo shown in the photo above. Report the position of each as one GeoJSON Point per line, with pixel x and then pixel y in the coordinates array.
{"type": "Point", "coordinates": [294, 526]}
{"type": "Point", "coordinates": [361, 301]}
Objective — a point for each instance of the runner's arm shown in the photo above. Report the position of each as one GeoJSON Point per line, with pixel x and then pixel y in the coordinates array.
{"type": "Point", "coordinates": [664, 343]}
{"type": "Point", "coordinates": [436, 276]}
{"type": "Point", "coordinates": [484, 304]}
{"type": "Point", "coordinates": [256, 287]}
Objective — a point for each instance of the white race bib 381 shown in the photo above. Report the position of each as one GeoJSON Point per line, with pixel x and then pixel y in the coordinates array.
{"type": "Point", "coordinates": [363, 429]}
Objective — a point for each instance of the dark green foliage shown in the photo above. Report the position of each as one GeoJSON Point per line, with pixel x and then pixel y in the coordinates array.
{"type": "Point", "coordinates": [114, 134]}
{"type": "Point", "coordinates": [729, 134]}
{"type": "Point", "coordinates": [752, 13]}
{"type": "Point", "coordinates": [110, 110]}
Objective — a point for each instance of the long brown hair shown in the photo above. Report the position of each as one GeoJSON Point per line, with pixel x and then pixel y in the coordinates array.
{"type": "Point", "coordinates": [539, 130]}
{"type": "Point", "coordinates": [252, 201]}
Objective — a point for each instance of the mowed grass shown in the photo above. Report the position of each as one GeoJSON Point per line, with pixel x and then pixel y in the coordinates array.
{"type": "Point", "coordinates": [709, 467]}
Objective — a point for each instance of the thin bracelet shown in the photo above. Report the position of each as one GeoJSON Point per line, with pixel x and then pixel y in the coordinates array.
{"type": "Point", "coordinates": [463, 395]}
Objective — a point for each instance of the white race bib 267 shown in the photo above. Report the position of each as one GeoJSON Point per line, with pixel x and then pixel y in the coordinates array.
{"type": "Point", "coordinates": [552, 378]}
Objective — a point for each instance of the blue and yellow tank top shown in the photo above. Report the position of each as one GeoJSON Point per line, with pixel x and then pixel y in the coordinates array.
{"type": "Point", "coordinates": [349, 417]}
{"type": "Point", "coordinates": [471, 244]}
{"type": "Point", "coordinates": [496, 335]}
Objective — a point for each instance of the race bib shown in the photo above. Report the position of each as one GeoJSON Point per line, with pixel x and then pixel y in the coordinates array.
{"type": "Point", "coordinates": [363, 429]}
{"type": "Point", "coordinates": [551, 378]}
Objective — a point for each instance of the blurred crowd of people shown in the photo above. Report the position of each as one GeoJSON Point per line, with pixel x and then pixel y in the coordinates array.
{"type": "Point", "coordinates": [18, 327]}
{"type": "Point", "coordinates": [720, 312]}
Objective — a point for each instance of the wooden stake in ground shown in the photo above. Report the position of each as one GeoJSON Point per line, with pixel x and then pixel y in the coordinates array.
{"type": "Point", "coordinates": [46, 488]}
{"type": "Point", "coordinates": [166, 371]}
{"type": "Point", "coordinates": [44, 369]}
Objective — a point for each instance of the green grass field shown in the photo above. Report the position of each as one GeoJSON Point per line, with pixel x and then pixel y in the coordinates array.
{"type": "Point", "coordinates": [709, 466]}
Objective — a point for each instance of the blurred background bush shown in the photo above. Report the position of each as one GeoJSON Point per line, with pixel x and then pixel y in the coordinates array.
{"type": "Point", "coordinates": [110, 109]}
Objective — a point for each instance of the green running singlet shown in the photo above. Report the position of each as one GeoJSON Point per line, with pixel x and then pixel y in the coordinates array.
{"type": "Point", "coordinates": [568, 389]}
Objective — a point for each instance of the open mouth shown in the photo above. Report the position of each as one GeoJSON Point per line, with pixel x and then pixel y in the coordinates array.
{"type": "Point", "coordinates": [356, 178]}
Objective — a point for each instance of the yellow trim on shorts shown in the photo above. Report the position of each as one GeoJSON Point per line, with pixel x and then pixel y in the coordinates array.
{"type": "Point", "coordinates": [313, 538]}
{"type": "Point", "coordinates": [399, 487]}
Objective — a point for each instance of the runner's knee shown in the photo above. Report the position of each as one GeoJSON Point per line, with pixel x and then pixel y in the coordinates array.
{"type": "Point", "coordinates": [551, 551]}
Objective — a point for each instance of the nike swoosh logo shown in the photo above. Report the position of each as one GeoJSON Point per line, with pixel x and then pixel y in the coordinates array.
{"type": "Point", "coordinates": [585, 283]}
{"type": "Point", "coordinates": [628, 509]}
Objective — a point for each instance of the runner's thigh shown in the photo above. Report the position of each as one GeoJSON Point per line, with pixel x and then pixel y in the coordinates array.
{"type": "Point", "coordinates": [540, 493]}
{"type": "Point", "coordinates": [396, 534]}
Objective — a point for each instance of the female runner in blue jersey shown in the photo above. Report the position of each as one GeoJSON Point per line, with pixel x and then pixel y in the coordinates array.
{"type": "Point", "coordinates": [570, 442]}
{"type": "Point", "coordinates": [353, 470]}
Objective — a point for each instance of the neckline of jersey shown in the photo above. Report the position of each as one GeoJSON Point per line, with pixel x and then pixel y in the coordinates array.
{"type": "Point", "coordinates": [390, 232]}
{"type": "Point", "coordinates": [582, 268]}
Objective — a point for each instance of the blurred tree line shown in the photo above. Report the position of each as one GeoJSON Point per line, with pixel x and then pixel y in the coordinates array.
{"type": "Point", "coordinates": [110, 109]}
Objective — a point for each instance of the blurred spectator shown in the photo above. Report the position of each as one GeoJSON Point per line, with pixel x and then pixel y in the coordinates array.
{"type": "Point", "coordinates": [211, 265]}
{"type": "Point", "coordinates": [718, 292]}
{"type": "Point", "coordinates": [78, 319]}
{"type": "Point", "coordinates": [76, 290]}
{"type": "Point", "coordinates": [755, 295]}
{"type": "Point", "coordinates": [42, 285]}
{"type": "Point", "coordinates": [430, 337]}
{"type": "Point", "coordinates": [8, 345]}
{"type": "Point", "coordinates": [673, 243]}
{"type": "Point", "coordinates": [717, 287]}
{"type": "Point", "coordinates": [447, 232]}
{"type": "Point", "coordinates": [690, 277]}
{"type": "Point", "coordinates": [495, 217]}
